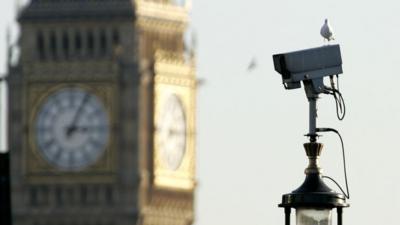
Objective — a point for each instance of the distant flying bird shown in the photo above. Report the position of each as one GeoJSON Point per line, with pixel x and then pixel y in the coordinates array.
{"type": "Point", "coordinates": [326, 31]}
{"type": "Point", "coordinates": [252, 65]}
{"type": "Point", "coordinates": [200, 81]}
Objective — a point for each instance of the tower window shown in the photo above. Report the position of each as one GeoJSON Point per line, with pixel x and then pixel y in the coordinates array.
{"type": "Point", "coordinates": [93, 195]}
{"type": "Point", "coordinates": [103, 43]}
{"type": "Point", "coordinates": [43, 195]}
{"type": "Point", "coordinates": [78, 43]}
{"type": "Point", "coordinates": [69, 196]}
{"type": "Point", "coordinates": [33, 196]}
{"type": "Point", "coordinates": [40, 45]}
{"type": "Point", "coordinates": [109, 195]}
{"type": "Point", "coordinates": [53, 44]}
{"type": "Point", "coordinates": [65, 44]}
{"type": "Point", "coordinates": [59, 196]}
{"type": "Point", "coordinates": [38, 195]}
{"type": "Point", "coordinates": [84, 194]}
{"type": "Point", "coordinates": [90, 43]}
{"type": "Point", "coordinates": [115, 38]}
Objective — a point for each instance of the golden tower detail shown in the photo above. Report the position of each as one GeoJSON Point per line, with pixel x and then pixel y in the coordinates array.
{"type": "Point", "coordinates": [102, 114]}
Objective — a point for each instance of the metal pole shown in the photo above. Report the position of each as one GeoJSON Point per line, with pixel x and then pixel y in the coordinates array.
{"type": "Point", "coordinates": [3, 114]}
{"type": "Point", "coordinates": [339, 215]}
{"type": "Point", "coordinates": [312, 118]}
{"type": "Point", "coordinates": [5, 198]}
{"type": "Point", "coordinates": [5, 183]}
{"type": "Point", "coordinates": [287, 215]}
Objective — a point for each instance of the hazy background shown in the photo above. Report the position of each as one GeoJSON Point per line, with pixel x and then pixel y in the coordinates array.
{"type": "Point", "coordinates": [250, 130]}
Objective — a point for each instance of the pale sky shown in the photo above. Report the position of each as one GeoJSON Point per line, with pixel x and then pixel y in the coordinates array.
{"type": "Point", "coordinates": [250, 129]}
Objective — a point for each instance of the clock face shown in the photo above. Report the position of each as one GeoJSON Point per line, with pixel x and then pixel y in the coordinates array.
{"type": "Point", "coordinates": [171, 129]}
{"type": "Point", "coordinates": [72, 129]}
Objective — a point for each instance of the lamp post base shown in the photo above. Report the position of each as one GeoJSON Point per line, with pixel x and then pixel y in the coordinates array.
{"type": "Point", "coordinates": [313, 197]}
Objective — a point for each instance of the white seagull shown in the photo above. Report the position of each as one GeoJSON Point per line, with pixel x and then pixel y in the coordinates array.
{"type": "Point", "coordinates": [326, 31]}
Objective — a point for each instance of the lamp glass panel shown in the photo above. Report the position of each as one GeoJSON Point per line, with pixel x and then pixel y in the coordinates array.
{"type": "Point", "coordinates": [312, 216]}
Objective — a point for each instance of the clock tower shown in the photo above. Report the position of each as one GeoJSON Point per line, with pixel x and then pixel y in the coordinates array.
{"type": "Point", "coordinates": [102, 114]}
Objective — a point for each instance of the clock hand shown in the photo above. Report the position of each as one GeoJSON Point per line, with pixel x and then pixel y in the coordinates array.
{"type": "Point", "coordinates": [87, 128]}
{"type": "Point", "coordinates": [72, 127]}
{"type": "Point", "coordinates": [78, 129]}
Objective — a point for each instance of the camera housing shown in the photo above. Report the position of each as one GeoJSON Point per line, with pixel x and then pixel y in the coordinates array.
{"type": "Point", "coordinates": [309, 65]}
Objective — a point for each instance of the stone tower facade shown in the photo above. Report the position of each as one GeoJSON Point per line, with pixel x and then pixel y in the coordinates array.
{"type": "Point", "coordinates": [102, 114]}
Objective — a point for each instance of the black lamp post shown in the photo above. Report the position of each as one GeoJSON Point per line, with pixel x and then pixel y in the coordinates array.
{"type": "Point", "coordinates": [5, 193]}
{"type": "Point", "coordinates": [313, 200]}
{"type": "Point", "coordinates": [5, 198]}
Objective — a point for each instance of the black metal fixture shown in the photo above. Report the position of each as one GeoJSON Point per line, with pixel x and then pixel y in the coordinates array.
{"type": "Point", "coordinates": [5, 181]}
{"type": "Point", "coordinates": [314, 200]}
{"type": "Point", "coordinates": [5, 198]}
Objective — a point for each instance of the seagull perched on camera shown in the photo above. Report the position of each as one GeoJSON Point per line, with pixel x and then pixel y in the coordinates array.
{"type": "Point", "coordinates": [326, 31]}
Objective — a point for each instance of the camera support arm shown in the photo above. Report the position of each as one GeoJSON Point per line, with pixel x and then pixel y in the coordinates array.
{"type": "Point", "coordinates": [312, 102]}
{"type": "Point", "coordinates": [313, 88]}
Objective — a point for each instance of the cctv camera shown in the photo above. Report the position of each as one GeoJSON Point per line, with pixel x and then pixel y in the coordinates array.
{"type": "Point", "coordinates": [309, 66]}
